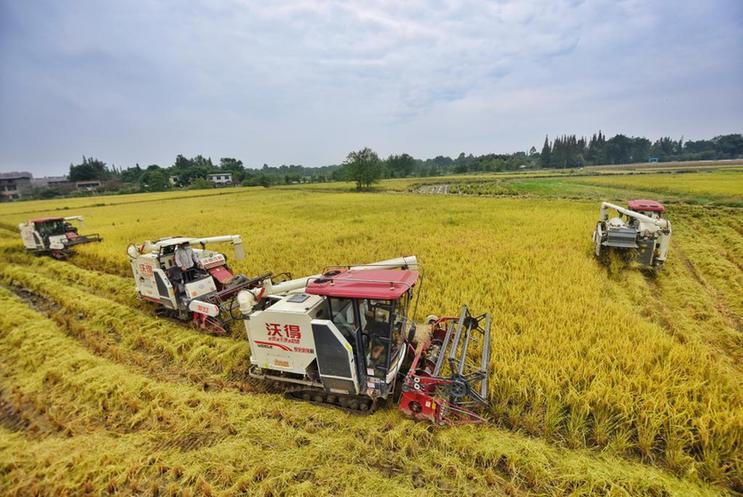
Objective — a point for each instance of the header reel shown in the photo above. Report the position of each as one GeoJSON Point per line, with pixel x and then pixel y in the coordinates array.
{"type": "Point", "coordinates": [445, 384]}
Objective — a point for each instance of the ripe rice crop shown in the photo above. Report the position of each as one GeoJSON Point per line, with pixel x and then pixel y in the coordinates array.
{"type": "Point", "coordinates": [722, 183]}
{"type": "Point", "coordinates": [608, 381]}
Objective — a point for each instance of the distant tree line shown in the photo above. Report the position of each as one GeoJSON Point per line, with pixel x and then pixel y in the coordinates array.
{"type": "Point", "coordinates": [365, 167]}
{"type": "Point", "coordinates": [571, 151]}
{"type": "Point", "coordinates": [193, 173]}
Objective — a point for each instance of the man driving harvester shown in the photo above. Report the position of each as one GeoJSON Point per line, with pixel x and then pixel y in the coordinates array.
{"type": "Point", "coordinates": [185, 260]}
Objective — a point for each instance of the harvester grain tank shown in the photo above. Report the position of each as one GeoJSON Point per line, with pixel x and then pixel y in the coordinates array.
{"type": "Point", "coordinates": [638, 230]}
{"type": "Point", "coordinates": [345, 337]}
{"type": "Point", "coordinates": [54, 236]}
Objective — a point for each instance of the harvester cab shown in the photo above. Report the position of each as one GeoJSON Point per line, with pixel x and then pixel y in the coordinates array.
{"type": "Point", "coordinates": [345, 338]}
{"type": "Point", "coordinates": [54, 236]}
{"type": "Point", "coordinates": [204, 293]}
{"type": "Point", "coordinates": [639, 231]}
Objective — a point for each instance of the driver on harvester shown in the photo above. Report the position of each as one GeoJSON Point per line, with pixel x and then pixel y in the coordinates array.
{"type": "Point", "coordinates": [185, 260]}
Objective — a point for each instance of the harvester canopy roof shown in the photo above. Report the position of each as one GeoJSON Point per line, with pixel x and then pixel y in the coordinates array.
{"type": "Point", "coordinates": [382, 284]}
{"type": "Point", "coordinates": [42, 220]}
{"type": "Point", "coordinates": [645, 205]}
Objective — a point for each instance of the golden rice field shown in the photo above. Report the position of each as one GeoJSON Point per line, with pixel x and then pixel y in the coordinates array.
{"type": "Point", "coordinates": [710, 187]}
{"type": "Point", "coordinates": [725, 182]}
{"type": "Point", "coordinates": [603, 382]}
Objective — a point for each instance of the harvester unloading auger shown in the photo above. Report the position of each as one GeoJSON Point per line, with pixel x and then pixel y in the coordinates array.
{"type": "Point", "coordinates": [643, 232]}
{"type": "Point", "coordinates": [344, 338]}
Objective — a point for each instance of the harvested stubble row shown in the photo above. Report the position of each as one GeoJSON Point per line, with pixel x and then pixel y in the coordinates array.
{"type": "Point", "coordinates": [106, 285]}
{"type": "Point", "coordinates": [580, 358]}
{"type": "Point", "coordinates": [95, 426]}
{"type": "Point", "coordinates": [159, 346]}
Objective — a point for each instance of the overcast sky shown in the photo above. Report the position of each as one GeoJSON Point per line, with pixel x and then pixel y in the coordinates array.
{"type": "Point", "coordinates": [302, 82]}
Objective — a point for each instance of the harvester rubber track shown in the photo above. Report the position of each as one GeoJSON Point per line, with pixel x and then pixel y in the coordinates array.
{"type": "Point", "coordinates": [354, 404]}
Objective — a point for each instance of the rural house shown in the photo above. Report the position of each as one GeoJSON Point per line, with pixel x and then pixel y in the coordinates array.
{"type": "Point", "coordinates": [14, 185]}
{"type": "Point", "coordinates": [220, 179]}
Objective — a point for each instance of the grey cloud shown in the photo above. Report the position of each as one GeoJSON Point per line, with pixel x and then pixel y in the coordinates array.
{"type": "Point", "coordinates": [305, 81]}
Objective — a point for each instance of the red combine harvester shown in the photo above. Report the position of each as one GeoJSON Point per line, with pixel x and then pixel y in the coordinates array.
{"type": "Point", "coordinates": [345, 338]}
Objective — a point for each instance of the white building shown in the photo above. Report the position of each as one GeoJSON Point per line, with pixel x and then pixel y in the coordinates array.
{"type": "Point", "coordinates": [14, 185]}
{"type": "Point", "coordinates": [88, 186]}
{"type": "Point", "coordinates": [220, 179]}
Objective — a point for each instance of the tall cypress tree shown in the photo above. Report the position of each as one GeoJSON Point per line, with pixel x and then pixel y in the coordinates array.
{"type": "Point", "coordinates": [546, 155]}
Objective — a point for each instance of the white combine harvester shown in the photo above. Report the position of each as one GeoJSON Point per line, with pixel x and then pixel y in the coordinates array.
{"type": "Point", "coordinates": [642, 233]}
{"type": "Point", "coordinates": [54, 236]}
{"type": "Point", "coordinates": [344, 338]}
{"type": "Point", "coordinates": [205, 294]}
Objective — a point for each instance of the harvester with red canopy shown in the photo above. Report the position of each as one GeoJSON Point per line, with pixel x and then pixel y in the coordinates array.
{"type": "Point", "coordinates": [638, 232]}
{"type": "Point", "coordinates": [346, 338]}
{"type": "Point", "coordinates": [54, 236]}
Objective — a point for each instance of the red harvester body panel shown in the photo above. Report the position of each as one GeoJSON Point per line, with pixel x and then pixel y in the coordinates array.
{"type": "Point", "coordinates": [645, 205]}
{"type": "Point", "coordinates": [380, 284]}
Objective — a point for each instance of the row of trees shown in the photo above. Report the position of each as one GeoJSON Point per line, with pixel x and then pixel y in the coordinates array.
{"type": "Point", "coordinates": [571, 151]}
{"type": "Point", "coordinates": [366, 167]}
{"type": "Point", "coordinates": [193, 172]}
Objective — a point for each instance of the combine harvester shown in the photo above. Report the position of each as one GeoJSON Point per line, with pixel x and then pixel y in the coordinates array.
{"type": "Point", "coordinates": [345, 338]}
{"type": "Point", "coordinates": [643, 234]}
{"type": "Point", "coordinates": [342, 337]}
{"type": "Point", "coordinates": [54, 236]}
{"type": "Point", "coordinates": [205, 294]}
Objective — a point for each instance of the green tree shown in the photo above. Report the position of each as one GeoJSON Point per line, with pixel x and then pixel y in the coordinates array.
{"type": "Point", "coordinates": [131, 174]}
{"type": "Point", "coordinates": [234, 166]}
{"type": "Point", "coordinates": [89, 169]}
{"type": "Point", "coordinates": [154, 179]}
{"type": "Point", "coordinates": [546, 154]}
{"type": "Point", "coordinates": [200, 184]}
{"type": "Point", "coordinates": [188, 170]}
{"type": "Point", "coordinates": [363, 167]}
{"type": "Point", "coordinates": [618, 150]}
{"type": "Point", "coordinates": [596, 153]}
{"type": "Point", "coordinates": [400, 166]}
{"type": "Point", "coordinates": [729, 146]}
